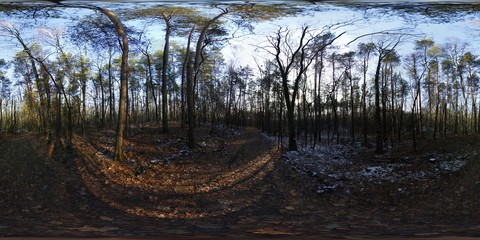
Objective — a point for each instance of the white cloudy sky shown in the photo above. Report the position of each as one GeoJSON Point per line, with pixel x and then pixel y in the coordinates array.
{"type": "Point", "coordinates": [243, 49]}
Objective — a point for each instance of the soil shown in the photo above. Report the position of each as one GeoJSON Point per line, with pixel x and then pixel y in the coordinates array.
{"type": "Point", "coordinates": [236, 183]}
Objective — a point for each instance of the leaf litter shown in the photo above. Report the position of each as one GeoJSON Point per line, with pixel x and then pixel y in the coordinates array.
{"type": "Point", "coordinates": [238, 183]}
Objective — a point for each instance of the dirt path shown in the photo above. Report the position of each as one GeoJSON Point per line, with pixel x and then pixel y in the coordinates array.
{"type": "Point", "coordinates": [243, 192]}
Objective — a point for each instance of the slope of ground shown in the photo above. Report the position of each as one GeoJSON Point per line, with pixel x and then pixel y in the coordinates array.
{"type": "Point", "coordinates": [235, 183]}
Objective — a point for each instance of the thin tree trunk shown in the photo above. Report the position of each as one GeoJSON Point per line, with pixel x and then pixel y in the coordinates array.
{"type": "Point", "coordinates": [378, 119]}
{"type": "Point", "coordinates": [185, 76]}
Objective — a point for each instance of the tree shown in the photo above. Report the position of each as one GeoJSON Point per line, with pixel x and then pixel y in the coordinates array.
{"type": "Point", "coordinates": [83, 65]}
{"type": "Point", "coordinates": [347, 60]}
{"type": "Point", "coordinates": [123, 42]}
{"type": "Point", "coordinates": [383, 48]}
{"type": "Point", "coordinates": [192, 74]}
{"type": "Point", "coordinates": [150, 87]}
{"type": "Point", "coordinates": [422, 47]}
{"type": "Point", "coordinates": [295, 60]}
{"type": "Point", "coordinates": [13, 32]}
{"type": "Point", "coordinates": [470, 63]}
{"type": "Point", "coordinates": [174, 18]}
{"type": "Point", "coordinates": [5, 89]}
{"type": "Point", "coordinates": [413, 62]}
{"type": "Point", "coordinates": [390, 121]}
{"type": "Point", "coordinates": [244, 13]}
{"type": "Point", "coordinates": [365, 50]}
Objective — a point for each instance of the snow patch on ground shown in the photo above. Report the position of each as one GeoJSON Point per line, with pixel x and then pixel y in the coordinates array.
{"type": "Point", "coordinates": [452, 166]}
{"type": "Point", "coordinates": [335, 167]}
{"type": "Point", "coordinates": [378, 171]}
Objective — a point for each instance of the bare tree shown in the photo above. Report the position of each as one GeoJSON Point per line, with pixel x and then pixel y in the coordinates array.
{"type": "Point", "coordinates": [365, 50]}
{"type": "Point", "coordinates": [293, 59]}
{"type": "Point", "coordinates": [123, 42]}
{"type": "Point", "coordinates": [383, 48]}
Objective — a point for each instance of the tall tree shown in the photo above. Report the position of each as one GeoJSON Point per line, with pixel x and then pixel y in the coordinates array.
{"type": "Point", "coordinates": [123, 42]}
{"type": "Point", "coordinates": [192, 76]}
{"type": "Point", "coordinates": [174, 19]}
{"type": "Point", "coordinates": [5, 89]}
{"type": "Point", "coordinates": [347, 60]}
{"type": "Point", "coordinates": [12, 31]}
{"type": "Point", "coordinates": [294, 58]}
{"type": "Point", "coordinates": [422, 46]}
{"type": "Point", "coordinates": [365, 50]}
{"type": "Point", "coordinates": [383, 48]}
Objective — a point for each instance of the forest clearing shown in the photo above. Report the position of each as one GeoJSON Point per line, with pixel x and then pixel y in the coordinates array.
{"type": "Point", "coordinates": [351, 119]}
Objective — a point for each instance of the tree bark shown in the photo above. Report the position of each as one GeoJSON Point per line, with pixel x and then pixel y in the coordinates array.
{"type": "Point", "coordinates": [190, 96]}
{"type": "Point", "coordinates": [192, 77]}
{"type": "Point", "coordinates": [166, 48]}
{"type": "Point", "coordinates": [378, 119]}
{"type": "Point", "coordinates": [185, 76]}
{"type": "Point", "coordinates": [122, 110]}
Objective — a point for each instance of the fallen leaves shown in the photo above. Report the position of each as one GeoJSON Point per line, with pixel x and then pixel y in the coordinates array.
{"type": "Point", "coordinates": [242, 188]}
{"type": "Point", "coordinates": [171, 172]}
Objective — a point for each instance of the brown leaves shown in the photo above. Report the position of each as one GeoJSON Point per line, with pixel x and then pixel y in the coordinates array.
{"type": "Point", "coordinates": [159, 168]}
{"type": "Point", "coordinates": [245, 189]}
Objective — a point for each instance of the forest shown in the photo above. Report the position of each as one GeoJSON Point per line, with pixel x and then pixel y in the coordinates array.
{"type": "Point", "coordinates": [155, 118]}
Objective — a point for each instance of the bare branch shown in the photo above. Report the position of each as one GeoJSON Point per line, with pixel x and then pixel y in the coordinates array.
{"type": "Point", "coordinates": [394, 32]}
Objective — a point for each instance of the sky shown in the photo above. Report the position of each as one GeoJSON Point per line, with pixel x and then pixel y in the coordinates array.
{"type": "Point", "coordinates": [244, 49]}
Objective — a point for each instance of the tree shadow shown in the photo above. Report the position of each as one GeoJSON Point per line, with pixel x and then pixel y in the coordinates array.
{"type": "Point", "coordinates": [237, 184]}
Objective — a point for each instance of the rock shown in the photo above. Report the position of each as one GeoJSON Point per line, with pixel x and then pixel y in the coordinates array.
{"type": "Point", "coordinates": [154, 161]}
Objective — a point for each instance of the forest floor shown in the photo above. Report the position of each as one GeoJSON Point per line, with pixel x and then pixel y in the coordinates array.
{"type": "Point", "coordinates": [236, 184]}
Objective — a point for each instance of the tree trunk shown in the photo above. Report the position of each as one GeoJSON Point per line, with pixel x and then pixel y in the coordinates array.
{"type": "Point", "coordinates": [191, 79]}
{"type": "Point", "coordinates": [147, 91]}
{"type": "Point", "coordinates": [378, 119]}
{"type": "Point", "coordinates": [150, 78]}
{"type": "Point", "coordinates": [352, 103]}
{"type": "Point", "coordinates": [111, 98]}
{"type": "Point", "coordinates": [168, 31]}
{"type": "Point", "coordinates": [190, 96]}
{"type": "Point", "coordinates": [185, 76]}
{"type": "Point", "coordinates": [122, 110]}
{"type": "Point", "coordinates": [190, 108]}
{"type": "Point", "coordinates": [292, 138]}
{"type": "Point", "coordinates": [83, 81]}
{"type": "Point", "coordinates": [102, 107]}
